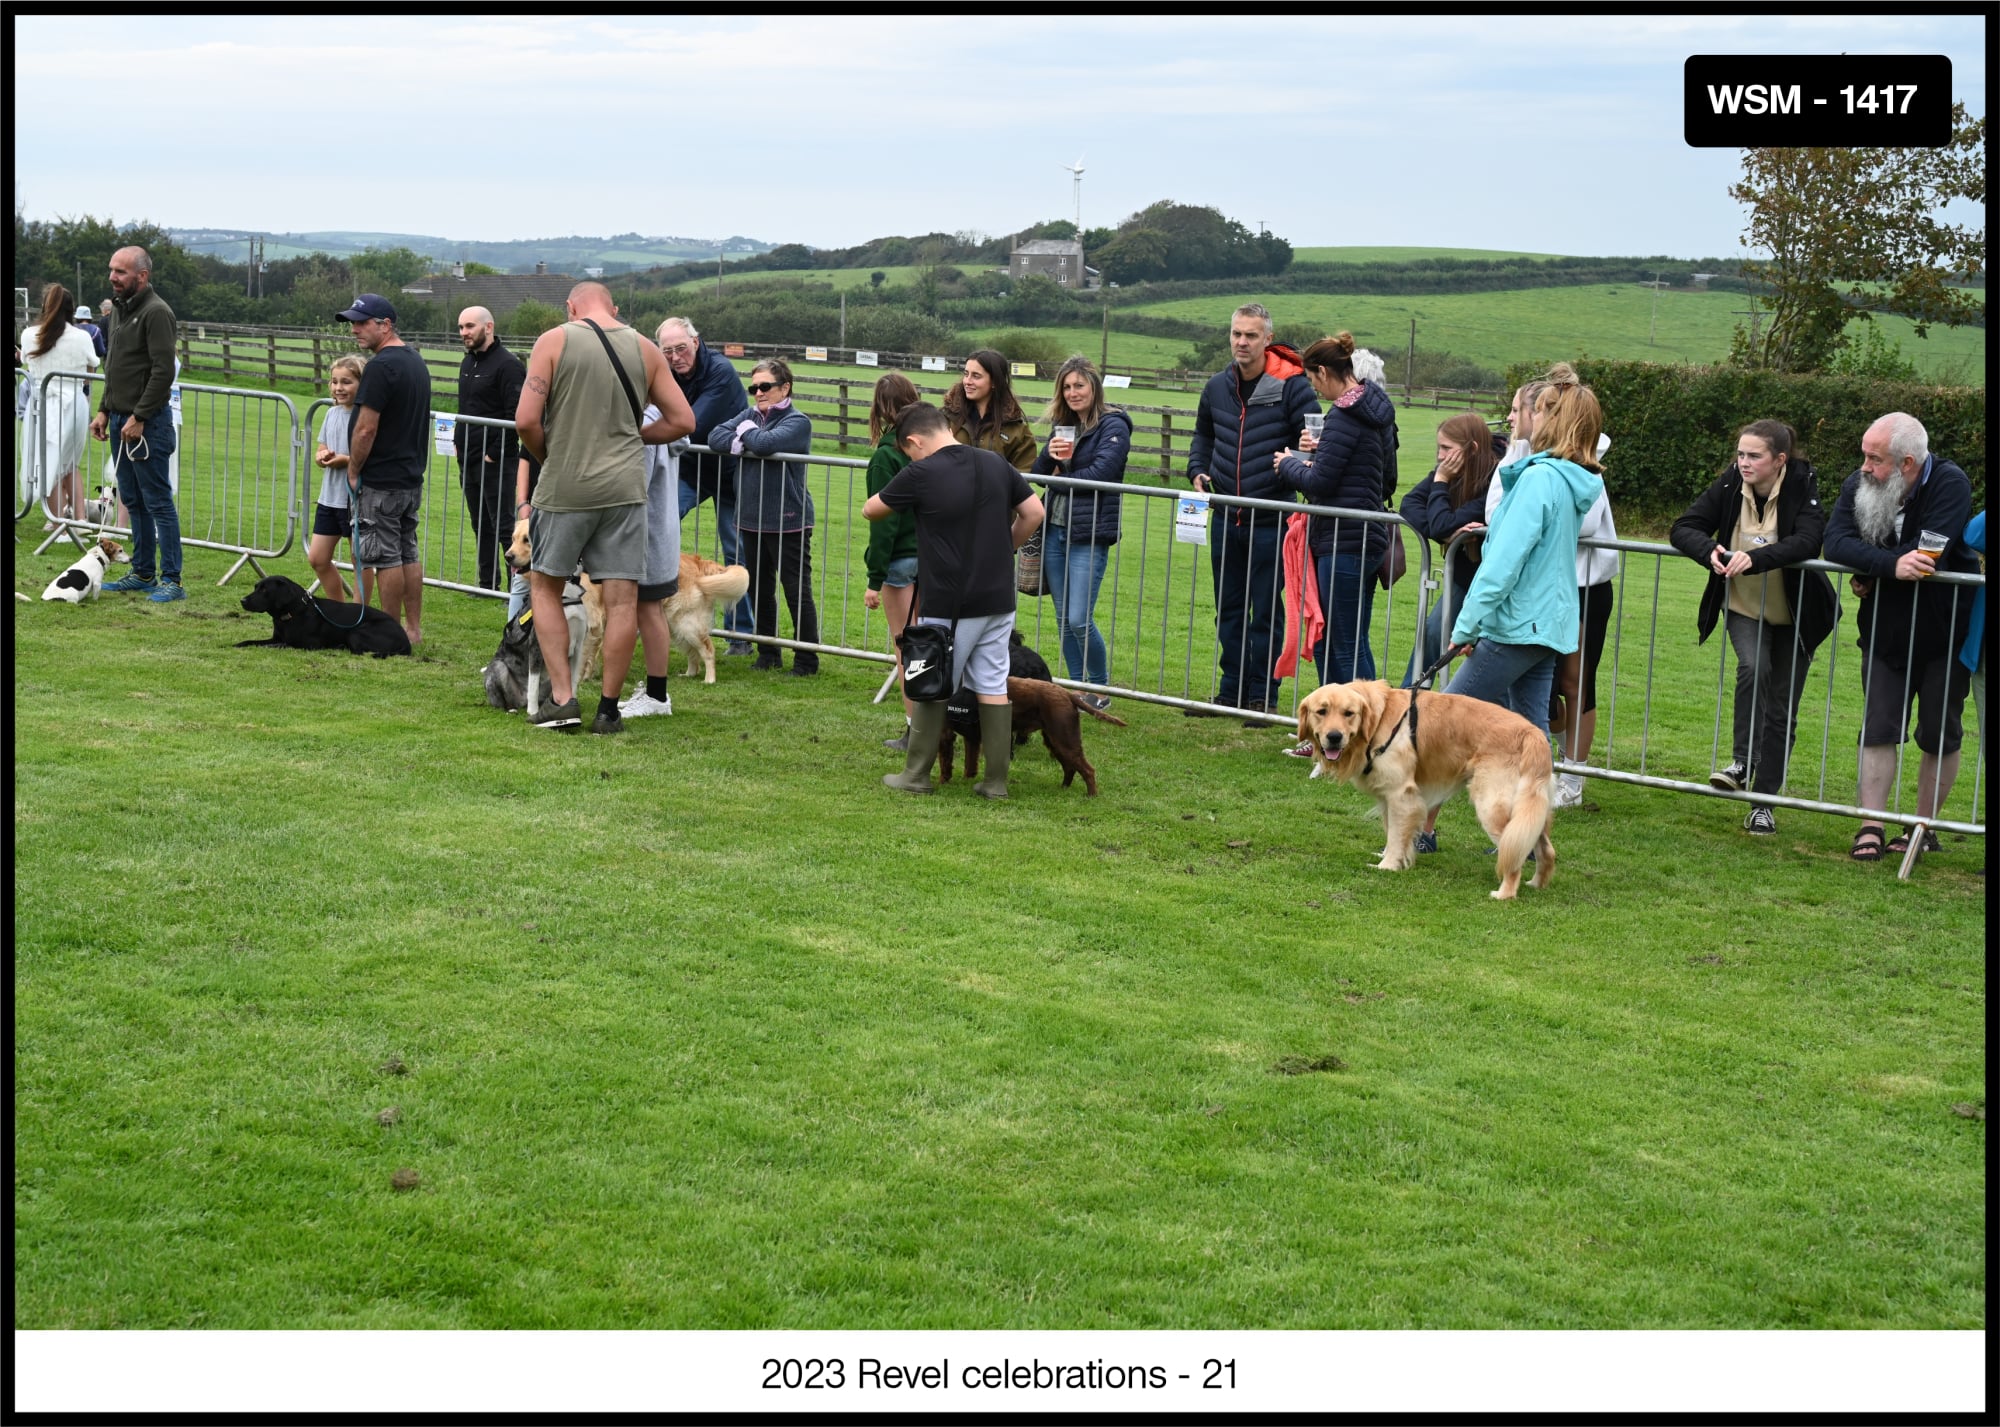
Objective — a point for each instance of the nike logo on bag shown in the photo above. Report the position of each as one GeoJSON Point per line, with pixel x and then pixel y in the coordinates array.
{"type": "Point", "coordinates": [920, 666]}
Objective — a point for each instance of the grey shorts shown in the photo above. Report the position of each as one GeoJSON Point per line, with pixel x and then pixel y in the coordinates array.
{"type": "Point", "coordinates": [979, 651]}
{"type": "Point", "coordinates": [901, 574]}
{"type": "Point", "coordinates": [609, 544]}
{"type": "Point", "coordinates": [385, 527]}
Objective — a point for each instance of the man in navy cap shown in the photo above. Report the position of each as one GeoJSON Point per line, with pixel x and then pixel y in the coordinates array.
{"type": "Point", "coordinates": [386, 460]}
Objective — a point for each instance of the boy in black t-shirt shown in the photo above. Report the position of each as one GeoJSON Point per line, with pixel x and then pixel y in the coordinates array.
{"type": "Point", "coordinates": [973, 512]}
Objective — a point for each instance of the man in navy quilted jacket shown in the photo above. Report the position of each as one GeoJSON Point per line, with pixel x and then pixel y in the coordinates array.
{"type": "Point", "coordinates": [1248, 414]}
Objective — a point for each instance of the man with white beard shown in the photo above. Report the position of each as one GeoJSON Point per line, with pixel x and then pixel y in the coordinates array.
{"type": "Point", "coordinates": [1908, 629]}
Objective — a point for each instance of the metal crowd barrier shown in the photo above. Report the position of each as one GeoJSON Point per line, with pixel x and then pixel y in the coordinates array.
{"type": "Point", "coordinates": [249, 480]}
{"type": "Point", "coordinates": [234, 470]}
{"type": "Point", "coordinates": [1840, 704]}
{"type": "Point", "coordinates": [1155, 608]}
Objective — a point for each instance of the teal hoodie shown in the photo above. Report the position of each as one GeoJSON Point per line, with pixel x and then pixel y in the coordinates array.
{"type": "Point", "coordinates": [1525, 591]}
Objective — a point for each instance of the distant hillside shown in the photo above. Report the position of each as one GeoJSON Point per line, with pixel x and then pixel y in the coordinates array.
{"type": "Point", "coordinates": [622, 252]}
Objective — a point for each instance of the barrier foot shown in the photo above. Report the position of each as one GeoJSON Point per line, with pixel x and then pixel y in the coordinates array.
{"type": "Point", "coordinates": [250, 560]}
{"type": "Point", "coordinates": [1917, 831]}
{"type": "Point", "coordinates": [57, 534]}
{"type": "Point", "coordinates": [887, 684]}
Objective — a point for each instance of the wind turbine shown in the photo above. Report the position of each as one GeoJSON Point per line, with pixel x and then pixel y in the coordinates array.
{"type": "Point", "coordinates": [1075, 171]}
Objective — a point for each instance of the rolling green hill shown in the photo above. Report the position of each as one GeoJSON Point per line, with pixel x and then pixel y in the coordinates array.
{"type": "Point", "coordinates": [1547, 324]}
{"type": "Point", "coordinates": [1405, 255]}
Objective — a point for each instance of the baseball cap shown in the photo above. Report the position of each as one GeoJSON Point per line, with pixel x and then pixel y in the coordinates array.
{"type": "Point", "coordinates": [82, 314]}
{"type": "Point", "coordinates": [369, 304]}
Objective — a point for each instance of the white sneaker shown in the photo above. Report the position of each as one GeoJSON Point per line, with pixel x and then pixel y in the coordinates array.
{"type": "Point", "coordinates": [1569, 791]}
{"type": "Point", "coordinates": [642, 704]}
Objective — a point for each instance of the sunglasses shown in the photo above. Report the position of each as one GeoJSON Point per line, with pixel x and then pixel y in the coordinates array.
{"type": "Point", "coordinates": [759, 388]}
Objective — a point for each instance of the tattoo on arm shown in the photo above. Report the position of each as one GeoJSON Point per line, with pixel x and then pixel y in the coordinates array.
{"type": "Point", "coordinates": [537, 385]}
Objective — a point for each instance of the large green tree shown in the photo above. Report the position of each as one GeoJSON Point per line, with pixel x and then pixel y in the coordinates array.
{"type": "Point", "coordinates": [1847, 230]}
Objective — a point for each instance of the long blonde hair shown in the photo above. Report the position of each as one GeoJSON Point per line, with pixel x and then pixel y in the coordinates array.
{"type": "Point", "coordinates": [1059, 413]}
{"type": "Point", "coordinates": [1568, 418]}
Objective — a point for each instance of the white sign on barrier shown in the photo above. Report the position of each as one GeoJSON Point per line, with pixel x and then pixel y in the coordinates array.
{"type": "Point", "coordinates": [1118, 381]}
{"type": "Point", "coordinates": [815, 354]}
{"type": "Point", "coordinates": [445, 426]}
{"type": "Point", "coordinates": [864, 359]}
{"type": "Point", "coordinates": [933, 364]}
{"type": "Point", "coordinates": [1191, 520]}
{"type": "Point", "coordinates": [1022, 369]}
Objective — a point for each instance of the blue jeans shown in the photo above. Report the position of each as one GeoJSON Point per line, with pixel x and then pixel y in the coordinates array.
{"type": "Point", "coordinates": [1074, 573]}
{"type": "Point", "coordinates": [1514, 676]}
{"type": "Point", "coordinates": [736, 620]}
{"type": "Point", "coordinates": [1437, 627]}
{"type": "Point", "coordinates": [1347, 598]}
{"type": "Point", "coordinates": [1243, 558]}
{"type": "Point", "coordinates": [142, 485]}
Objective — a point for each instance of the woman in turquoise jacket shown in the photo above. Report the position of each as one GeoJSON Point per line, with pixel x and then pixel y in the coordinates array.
{"type": "Point", "coordinates": [1520, 614]}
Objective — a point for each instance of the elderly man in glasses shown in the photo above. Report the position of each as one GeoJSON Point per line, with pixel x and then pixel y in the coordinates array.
{"type": "Point", "coordinates": [713, 389]}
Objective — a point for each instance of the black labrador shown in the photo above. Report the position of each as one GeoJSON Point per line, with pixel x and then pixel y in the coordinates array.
{"type": "Point", "coordinates": [303, 621]}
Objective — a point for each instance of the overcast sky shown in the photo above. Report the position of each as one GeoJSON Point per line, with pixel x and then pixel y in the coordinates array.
{"type": "Point", "coordinates": [1543, 133]}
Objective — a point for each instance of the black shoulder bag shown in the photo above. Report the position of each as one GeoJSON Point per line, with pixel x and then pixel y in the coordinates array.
{"type": "Point", "coordinates": [638, 411]}
{"type": "Point", "coordinates": [927, 652]}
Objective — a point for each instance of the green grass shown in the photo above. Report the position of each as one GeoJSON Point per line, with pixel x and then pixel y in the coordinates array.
{"type": "Point", "coordinates": [706, 1029]}
{"type": "Point", "coordinates": [1561, 323]}
{"type": "Point", "coordinates": [1366, 254]}
{"type": "Point", "coordinates": [829, 277]}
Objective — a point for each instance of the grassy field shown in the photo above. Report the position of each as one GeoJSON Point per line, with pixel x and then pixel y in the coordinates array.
{"type": "Point", "coordinates": [1562, 323]}
{"type": "Point", "coordinates": [698, 1028]}
{"type": "Point", "coordinates": [831, 277]}
{"type": "Point", "coordinates": [1366, 254]}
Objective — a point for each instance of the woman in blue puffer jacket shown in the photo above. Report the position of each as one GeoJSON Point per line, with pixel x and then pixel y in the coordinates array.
{"type": "Point", "coordinates": [775, 514]}
{"type": "Point", "coordinates": [1350, 470]}
{"type": "Point", "coordinates": [1082, 525]}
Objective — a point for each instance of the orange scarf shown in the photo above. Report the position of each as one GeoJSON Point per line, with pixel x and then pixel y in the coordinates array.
{"type": "Point", "coordinates": [1301, 595]}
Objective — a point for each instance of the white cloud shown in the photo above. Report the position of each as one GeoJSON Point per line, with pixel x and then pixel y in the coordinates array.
{"type": "Point", "coordinates": [522, 126]}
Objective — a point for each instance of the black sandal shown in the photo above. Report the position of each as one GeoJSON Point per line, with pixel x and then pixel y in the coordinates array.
{"type": "Point", "coordinates": [1901, 844]}
{"type": "Point", "coordinates": [1867, 844]}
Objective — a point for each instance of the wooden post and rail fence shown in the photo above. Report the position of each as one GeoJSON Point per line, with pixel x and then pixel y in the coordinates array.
{"type": "Point", "coordinates": [838, 404]}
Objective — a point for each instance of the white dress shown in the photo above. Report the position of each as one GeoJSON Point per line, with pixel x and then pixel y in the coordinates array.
{"type": "Point", "coordinates": [58, 424]}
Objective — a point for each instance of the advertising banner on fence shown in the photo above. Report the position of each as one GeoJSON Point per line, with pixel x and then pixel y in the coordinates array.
{"type": "Point", "coordinates": [1117, 381]}
{"type": "Point", "coordinates": [933, 364]}
{"type": "Point", "coordinates": [864, 359]}
{"type": "Point", "coordinates": [732, 349]}
{"type": "Point", "coordinates": [815, 354]}
{"type": "Point", "coordinates": [1022, 369]}
{"type": "Point", "coordinates": [445, 425]}
{"type": "Point", "coordinates": [1191, 520]}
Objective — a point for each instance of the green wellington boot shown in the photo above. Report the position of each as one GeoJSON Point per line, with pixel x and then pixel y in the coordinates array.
{"type": "Point", "coordinates": [996, 742]}
{"type": "Point", "coordinates": [926, 730]}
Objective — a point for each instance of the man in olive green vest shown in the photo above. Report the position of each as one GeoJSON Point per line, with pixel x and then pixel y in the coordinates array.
{"type": "Point", "coordinates": [580, 415]}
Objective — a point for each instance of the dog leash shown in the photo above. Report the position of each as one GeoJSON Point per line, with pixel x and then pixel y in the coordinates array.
{"type": "Point", "coordinates": [1411, 718]}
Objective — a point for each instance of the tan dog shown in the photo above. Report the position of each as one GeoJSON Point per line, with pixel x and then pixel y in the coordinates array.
{"type": "Point", "coordinates": [1367, 734]}
{"type": "Point", "coordinates": [703, 589]}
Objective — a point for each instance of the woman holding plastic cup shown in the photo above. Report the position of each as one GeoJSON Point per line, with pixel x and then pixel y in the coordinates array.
{"type": "Point", "coordinates": [1749, 530]}
{"type": "Point", "coordinates": [1351, 469]}
{"type": "Point", "coordinates": [1090, 442]}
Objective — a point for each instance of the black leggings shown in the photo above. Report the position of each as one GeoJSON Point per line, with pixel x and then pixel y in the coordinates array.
{"type": "Point", "coordinates": [783, 558]}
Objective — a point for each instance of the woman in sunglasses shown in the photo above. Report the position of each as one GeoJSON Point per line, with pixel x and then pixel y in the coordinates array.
{"type": "Point", "coordinates": [775, 515]}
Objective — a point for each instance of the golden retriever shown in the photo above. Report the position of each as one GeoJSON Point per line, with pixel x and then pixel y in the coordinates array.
{"type": "Point", "coordinates": [704, 589]}
{"type": "Point", "coordinates": [1365, 733]}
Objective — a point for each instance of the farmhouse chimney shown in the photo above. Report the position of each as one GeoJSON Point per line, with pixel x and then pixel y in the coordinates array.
{"type": "Point", "coordinates": [458, 271]}
{"type": "Point", "coordinates": [541, 269]}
